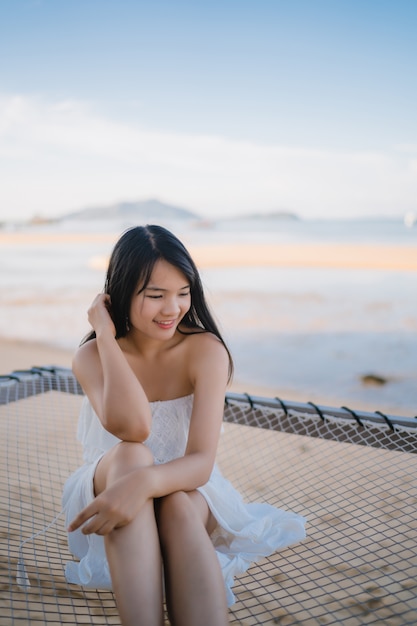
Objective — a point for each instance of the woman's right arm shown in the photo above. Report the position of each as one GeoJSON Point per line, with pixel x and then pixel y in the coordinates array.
{"type": "Point", "coordinates": [106, 377]}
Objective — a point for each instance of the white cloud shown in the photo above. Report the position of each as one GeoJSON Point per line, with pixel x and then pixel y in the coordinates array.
{"type": "Point", "coordinates": [407, 147]}
{"type": "Point", "coordinates": [60, 156]}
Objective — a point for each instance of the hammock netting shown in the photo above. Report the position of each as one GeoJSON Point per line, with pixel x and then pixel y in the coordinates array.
{"type": "Point", "coordinates": [352, 474]}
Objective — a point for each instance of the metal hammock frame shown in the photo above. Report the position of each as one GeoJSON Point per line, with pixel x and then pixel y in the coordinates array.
{"type": "Point", "coordinates": [351, 473]}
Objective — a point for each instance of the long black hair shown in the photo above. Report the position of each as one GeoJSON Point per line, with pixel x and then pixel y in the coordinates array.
{"type": "Point", "coordinates": [131, 264]}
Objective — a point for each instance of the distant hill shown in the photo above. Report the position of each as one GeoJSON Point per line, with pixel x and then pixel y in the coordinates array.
{"type": "Point", "coordinates": [138, 211]}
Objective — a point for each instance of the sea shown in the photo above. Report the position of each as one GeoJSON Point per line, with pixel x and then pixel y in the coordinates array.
{"type": "Point", "coordinates": [330, 336]}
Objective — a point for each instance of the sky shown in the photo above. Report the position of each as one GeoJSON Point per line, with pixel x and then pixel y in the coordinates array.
{"type": "Point", "coordinates": [225, 107]}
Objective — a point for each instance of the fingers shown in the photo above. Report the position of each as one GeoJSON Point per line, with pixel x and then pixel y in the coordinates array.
{"type": "Point", "coordinates": [95, 524]}
{"type": "Point", "coordinates": [77, 522]}
{"type": "Point", "coordinates": [82, 517]}
{"type": "Point", "coordinates": [106, 529]}
{"type": "Point", "coordinates": [99, 313]}
{"type": "Point", "coordinates": [98, 524]}
{"type": "Point", "coordinates": [101, 297]}
{"type": "Point", "coordinates": [111, 509]}
{"type": "Point", "coordinates": [95, 521]}
{"type": "Point", "coordinates": [101, 302]}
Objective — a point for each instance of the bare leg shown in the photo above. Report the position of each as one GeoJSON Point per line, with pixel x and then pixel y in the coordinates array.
{"type": "Point", "coordinates": [133, 550]}
{"type": "Point", "coordinates": [194, 583]}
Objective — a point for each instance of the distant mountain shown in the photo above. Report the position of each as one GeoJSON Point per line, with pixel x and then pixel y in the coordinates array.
{"type": "Point", "coordinates": [138, 211]}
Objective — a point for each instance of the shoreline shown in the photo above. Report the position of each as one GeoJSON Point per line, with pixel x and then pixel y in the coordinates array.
{"type": "Point", "coordinates": [393, 257]}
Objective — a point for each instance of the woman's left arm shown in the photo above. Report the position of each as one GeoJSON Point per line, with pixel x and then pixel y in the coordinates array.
{"type": "Point", "coordinates": [209, 373]}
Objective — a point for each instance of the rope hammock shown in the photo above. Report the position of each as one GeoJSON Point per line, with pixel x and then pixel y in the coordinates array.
{"type": "Point", "coordinates": [352, 474]}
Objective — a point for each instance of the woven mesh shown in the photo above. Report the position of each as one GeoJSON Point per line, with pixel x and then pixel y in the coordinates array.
{"type": "Point", "coordinates": [358, 564]}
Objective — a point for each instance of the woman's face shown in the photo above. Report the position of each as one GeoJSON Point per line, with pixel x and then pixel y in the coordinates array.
{"type": "Point", "coordinates": [158, 309]}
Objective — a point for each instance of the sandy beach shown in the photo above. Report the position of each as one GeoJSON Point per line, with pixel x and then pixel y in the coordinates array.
{"type": "Point", "coordinates": [21, 355]}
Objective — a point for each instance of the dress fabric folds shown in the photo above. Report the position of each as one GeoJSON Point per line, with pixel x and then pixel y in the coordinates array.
{"type": "Point", "coordinates": [245, 532]}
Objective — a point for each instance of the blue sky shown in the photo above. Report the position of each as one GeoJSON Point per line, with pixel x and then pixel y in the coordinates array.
{"type": "Point", "coordinates": [224, 107]}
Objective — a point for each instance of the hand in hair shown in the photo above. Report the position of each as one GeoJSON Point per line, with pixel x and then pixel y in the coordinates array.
{"type": "Point", "coordinates": [99, 315]}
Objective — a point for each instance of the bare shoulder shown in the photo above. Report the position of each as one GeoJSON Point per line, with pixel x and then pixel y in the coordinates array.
{"type": "Point", "coordinates": [86, 360]}
{"type": "Point", "coordinates": [206, 351]}
{"type": "Point", "coordinates": [205, 341]}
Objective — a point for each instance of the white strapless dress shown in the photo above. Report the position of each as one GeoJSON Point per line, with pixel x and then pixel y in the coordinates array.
{"type": "Point", "coordinates": [245, 532]}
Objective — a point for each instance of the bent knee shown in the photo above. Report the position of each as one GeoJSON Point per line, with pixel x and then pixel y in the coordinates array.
{"type": "Point", "coordinates": [177, 510]}
{"type": "Point", "coordinates": [134, 453]}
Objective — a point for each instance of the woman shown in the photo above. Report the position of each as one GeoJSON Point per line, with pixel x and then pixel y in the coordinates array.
{"type": "Point", "coordinates": [149, 498]}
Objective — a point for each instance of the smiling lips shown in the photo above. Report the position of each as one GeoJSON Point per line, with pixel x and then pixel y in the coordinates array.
{"type": "Point", "coordinates": [165, 325]}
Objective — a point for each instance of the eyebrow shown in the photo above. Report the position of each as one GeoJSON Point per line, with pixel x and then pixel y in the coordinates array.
{"type": "Point", "coordinates": [155, 288]}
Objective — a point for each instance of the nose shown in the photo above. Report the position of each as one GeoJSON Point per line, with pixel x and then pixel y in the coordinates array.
{"type": "Point", "coordinates": [171, 307]}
